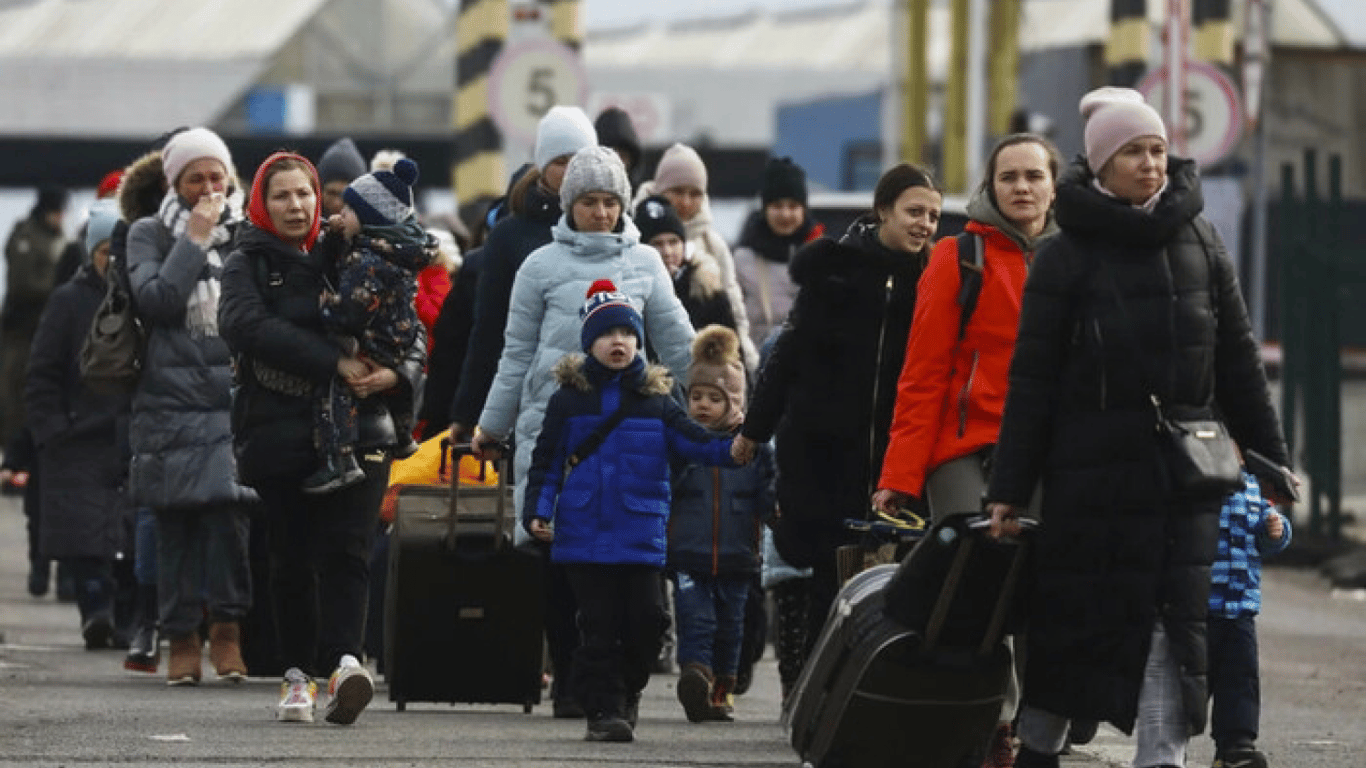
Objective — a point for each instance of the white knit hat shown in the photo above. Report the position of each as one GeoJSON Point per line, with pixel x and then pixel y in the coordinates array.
{"type": "Point", "coordinates": [1114, 117]}
{"type": "Point", "coordinates": [563, 131]}
{"type": "Point", "coordinates": [191, 145]}
{"type": "Point", "coordinates": [595, 169]}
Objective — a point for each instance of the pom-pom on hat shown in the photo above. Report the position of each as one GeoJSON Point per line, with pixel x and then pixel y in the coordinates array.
{"type": "Point", "coordinates": [680, 166]}
{"type": "Point", "coordinates": [716, 363]}
{"type": "Point", "coordinates": [595, 169]}
{"type": "Point", "coordinates": [190, 145]}
{"type": "Point", "coordinates": [783, 180]}
{"type": "Point", "coordinates": [1114, 117]}
{"type": "Point", "coordinates": [383, 198]}
{"type": "Point", "coordinates": [605, 309]}
{"type": "Point", "coordinates": [563, 131]}
{"type": "Point", "coordinates": [655, 217]}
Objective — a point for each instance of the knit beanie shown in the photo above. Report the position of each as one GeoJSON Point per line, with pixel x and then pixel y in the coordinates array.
{"type": "Point", "coordinates": [605, 309]}
{"type": "Point", "coordinates": [716, 363]}
{"type": "Point", "coordinates": [104, 214]}
{"type": "Point", "coordinates": [1114, 117]}
{"type": "Point", "coordinates": [595, 169]}
{"type": "Point", "coordinates": [783, 180]}
{"type": "Point", "coordinates": [383, 198]}
{"type": "Point", "coordinates": [109, 185]}
{"type": "Point", "coordinates": [654, 217]}
{"type": "Point", "coordinates": [680, 166]}
{"type": "Point", "coordinates": [191, 145]}
{"type": "Point", "coordinates": [563, 131]}
{"type": "Point", "coordinates": [341, 162]}
{"type": "Point", "coordinates": [50, 200]}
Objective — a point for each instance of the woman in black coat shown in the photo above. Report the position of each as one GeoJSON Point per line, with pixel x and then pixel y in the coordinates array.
{"type": "Point", "coordinates": [829, 385]}
{"type": "Point", "coordinates": [319, 543]}
{"type": "Point", "coordinates": [79, 435]}
{"type": "Point", "coordinates": [1119, 589]}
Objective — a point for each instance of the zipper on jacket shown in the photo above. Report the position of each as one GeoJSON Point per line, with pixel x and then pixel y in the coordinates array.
{"type": "Point", "coordinates": [963, 395]}
{"type": "Point", "coordinates": [877, 381]}
{"type": "Point", "coordinates": [715, 521]}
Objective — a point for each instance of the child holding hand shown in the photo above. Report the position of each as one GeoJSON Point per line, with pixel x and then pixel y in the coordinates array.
{"type": "Point", "coordinates": [598, 490]}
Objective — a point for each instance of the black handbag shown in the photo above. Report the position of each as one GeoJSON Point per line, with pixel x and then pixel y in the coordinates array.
{"type": "Point", "coordinates": [1199, 459]}
{"type": "Point", "coordinates": [111, 355]}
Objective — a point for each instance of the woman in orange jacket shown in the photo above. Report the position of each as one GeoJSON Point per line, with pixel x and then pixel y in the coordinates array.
{"type": "Point", "coordinates": [952, 389]}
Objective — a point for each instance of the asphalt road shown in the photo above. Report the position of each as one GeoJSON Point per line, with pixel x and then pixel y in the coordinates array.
{"type": "Point", "coordinates": [63, 706]}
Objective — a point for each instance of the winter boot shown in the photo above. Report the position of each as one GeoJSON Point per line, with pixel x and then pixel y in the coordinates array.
{"type": "Point", "coordinates": [336, 472]}
{"type": "Point", "coordinates": [694, 692]}
{"type": "Point", "coordinates": [225, 650]}
{"type": "Point", "coordinates": [722, 699]}
{"type": "Point", "coordinates": [1028, 758]}
{"type": "Point", "coordinates": [143, 653]}
{"type": "Point", "coordinates": [183, 668]}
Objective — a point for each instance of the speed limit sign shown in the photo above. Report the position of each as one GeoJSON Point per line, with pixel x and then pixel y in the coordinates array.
{"type": "Point", "coordinates": [1214, 114]}
{"type": "Point", "coordinates": [527, 79]}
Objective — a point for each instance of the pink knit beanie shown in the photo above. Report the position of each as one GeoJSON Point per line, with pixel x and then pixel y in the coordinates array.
{"type": "Point", "coordinates": [1114, 117]}
{"type": "Point", "coordinates": [680, 166]}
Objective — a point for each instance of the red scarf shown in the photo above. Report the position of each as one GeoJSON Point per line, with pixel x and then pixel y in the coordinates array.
{"type": "Point", "coordinates": [256, 206]}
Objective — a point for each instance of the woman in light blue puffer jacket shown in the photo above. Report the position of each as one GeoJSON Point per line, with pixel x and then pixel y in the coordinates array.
{"type": "Point", "coordinates": [543, 319]}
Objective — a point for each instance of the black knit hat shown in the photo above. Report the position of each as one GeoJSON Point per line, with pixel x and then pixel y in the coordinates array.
{"type": "Point", "coordinates": [616, 131]}
{"type": "Point", "coordinates": [50, 199]}
{"type": "Point", "coordinates": [783, 180]}
{"type": "Point", "coordinates": [655, 216]}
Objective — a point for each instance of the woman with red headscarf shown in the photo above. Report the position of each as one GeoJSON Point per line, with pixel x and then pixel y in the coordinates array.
{"type": "Point", "coordinates": [319, 543]}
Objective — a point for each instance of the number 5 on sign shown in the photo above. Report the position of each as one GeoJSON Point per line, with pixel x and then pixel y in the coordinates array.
{"type": "Point", "coordinates": [1214, 114]}
{"type": "Point", "coordinates": [527, 79]}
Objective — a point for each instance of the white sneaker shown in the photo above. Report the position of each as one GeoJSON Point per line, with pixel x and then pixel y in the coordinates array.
{"type": "Point", "coordinates": [349, 690]}
{"type": "Point", "coordinates": [297, 696]}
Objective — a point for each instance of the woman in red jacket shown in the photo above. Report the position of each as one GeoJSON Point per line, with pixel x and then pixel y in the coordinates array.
{"type": "Point", "coordinates": [952, 389]}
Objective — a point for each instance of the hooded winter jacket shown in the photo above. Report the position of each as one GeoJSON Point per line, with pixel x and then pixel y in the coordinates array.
{"type": "Point", "coordinates": [543, 324]}
{"type": "Point", "coordinates": [716, 524]}
{"type": "Point", "coordinates": [952, 392]}
{"type": "Point", "coordinates": [1117, 552]}
{"type": "Point", "coordinates": [613, 507]}
{"type": "Point", "coordinates": [829, 385]}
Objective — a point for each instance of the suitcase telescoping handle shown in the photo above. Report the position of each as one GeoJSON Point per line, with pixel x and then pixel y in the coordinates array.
{"type": "Point", "coordinates": [978, 525]}
{"type": "Point", "coordinates": [502, 526]}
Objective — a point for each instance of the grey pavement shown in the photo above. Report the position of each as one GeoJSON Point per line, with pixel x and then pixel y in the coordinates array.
{"type": "Point", "coordinates": [63, 706]}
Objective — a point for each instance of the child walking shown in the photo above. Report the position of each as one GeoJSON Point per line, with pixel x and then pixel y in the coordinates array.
{"type": "Point", "coordinates": [606, 511]}
{"type": "Point", "coordinates": [372, 310]}
{"type": "Point", "coordinates": [1249, 528]}
{"type": "Point", "coordinates": [714, 535]}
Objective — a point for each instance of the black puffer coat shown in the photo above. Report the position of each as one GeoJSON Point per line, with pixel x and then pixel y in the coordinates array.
{"type": "Point", "coordinates": [829, 386]}
{"type": "Point", "coordinates": [81, 435]}
{"type": "Point", "coordinates": [268, 314]}
{"type": "Point", "coordinates": [1117, 552]}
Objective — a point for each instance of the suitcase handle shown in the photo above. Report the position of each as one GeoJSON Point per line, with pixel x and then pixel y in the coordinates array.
{"type": "Point", "coordinates": [503, 527]}
{"type": "Point", "coordinates": [977, 524]}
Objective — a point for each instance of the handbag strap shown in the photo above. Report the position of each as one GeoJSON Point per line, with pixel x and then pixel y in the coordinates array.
{"type": "Point", "coordinates": [595, 439]}
{"type": "Point", "coordinates": [1128, 326]}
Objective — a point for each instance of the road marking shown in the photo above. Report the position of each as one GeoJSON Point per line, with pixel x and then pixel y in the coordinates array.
{"type": "Point", "coordinates": [169, 737]}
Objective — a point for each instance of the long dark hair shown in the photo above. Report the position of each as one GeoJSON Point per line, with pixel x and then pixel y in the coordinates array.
{"type": "Point", "coordinates": [898, 179]}
{"type": "Point", "coordinates": [1014, 139]}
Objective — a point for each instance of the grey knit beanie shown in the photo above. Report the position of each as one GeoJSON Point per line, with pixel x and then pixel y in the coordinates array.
{"type": "Point", "coordinates": [595, 169]}
{"type": "Point", "coordinates": [341, 162]}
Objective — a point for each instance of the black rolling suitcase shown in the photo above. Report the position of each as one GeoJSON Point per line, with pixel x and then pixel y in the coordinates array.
{"type": "Point", "coordinates": [910, 669]}
{"type": "Point", "coordinates": [463, 608]}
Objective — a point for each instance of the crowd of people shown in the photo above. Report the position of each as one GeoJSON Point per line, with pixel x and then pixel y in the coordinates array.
{"type": "Point", "coordinates": [690, 423]}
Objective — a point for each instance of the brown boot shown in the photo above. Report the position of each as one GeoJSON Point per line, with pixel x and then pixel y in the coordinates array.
{"type": "Point", "coordinates": [225, 651]}
{"type": "Point", "coordinates": [694, 692]}
{"type": "Point", "coordinates": [721, 707]}
{"type": "Point", "coordinates": [183, 668]}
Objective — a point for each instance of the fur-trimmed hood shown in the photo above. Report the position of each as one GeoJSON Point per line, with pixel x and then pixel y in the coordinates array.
{"type": "Point", "coordinates": [705, 274]}
{"type": "Point", "coordinates": [143, 187]}
{"type": "Point", "coordinates": [570, 371]}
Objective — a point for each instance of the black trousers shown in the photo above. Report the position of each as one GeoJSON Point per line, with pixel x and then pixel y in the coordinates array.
{"type": "Point", "coordinates": [1234, 681]}
{"type": "Point", "coordinates": [621, 629]}
{"type": "Point", "coordinates": [561, 625]}
{"type": "Point", "coordinates": [320, 565]}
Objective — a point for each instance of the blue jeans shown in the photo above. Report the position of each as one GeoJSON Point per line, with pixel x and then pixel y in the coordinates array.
{"type": "Point", "coordinates": [711, 620]}
{"type": "Point", "coordinates": [145, 547]}
{"type": "Point", "coordinates": [202, 566]}
{"type": "Point", "coordinates": [1234, 681]}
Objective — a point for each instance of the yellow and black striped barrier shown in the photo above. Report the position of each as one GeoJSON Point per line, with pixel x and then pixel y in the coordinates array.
{"type": "Point", "coordinates": [478, 174]}
{"type": "Point", "coordinates": [1126, 52]}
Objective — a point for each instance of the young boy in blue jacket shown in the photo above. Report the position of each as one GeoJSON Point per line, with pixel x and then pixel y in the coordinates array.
{"type": "Point", "coordinates": [606, 513]}
{"type": "Point", "coordinates": [1249, 528]}
{"type": "Point", "coordinates": [714, 536]}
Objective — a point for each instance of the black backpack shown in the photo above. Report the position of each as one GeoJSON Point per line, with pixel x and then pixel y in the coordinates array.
{"type": "Point", "coordinates": [969, 277]}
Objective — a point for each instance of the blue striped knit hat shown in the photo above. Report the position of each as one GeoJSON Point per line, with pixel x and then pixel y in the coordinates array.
{"type": "Point", "coordinates": [605, 309]}
{"type": "Point", "coordinates": [383, 198]}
